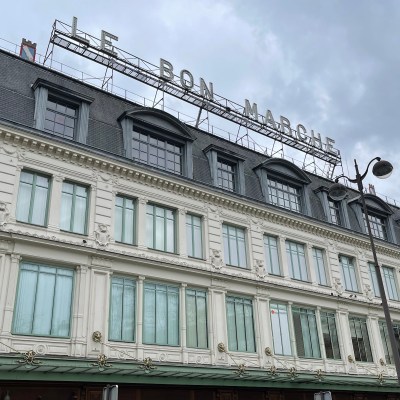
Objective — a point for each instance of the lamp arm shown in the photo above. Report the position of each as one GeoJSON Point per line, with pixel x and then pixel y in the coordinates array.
{"type": "Point", "coordinates": [366, 171]}
{"type": "Point", "coordinates": [344, 176]}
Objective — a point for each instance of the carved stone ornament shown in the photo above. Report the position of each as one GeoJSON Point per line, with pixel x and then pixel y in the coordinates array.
{"type": "Point", "coordinates": [4, 214]}
{"type": "Point", "coordinates": [216, 260]}
{"type": "Point", "coordinates": [259, 269]}
{"type": "Point", "coordinates": [221, 347]}
{"type": "Point", "coordinates": [337, 284]}
{"type": "Point", "coordinates": [102, 236]}
{"type": "Point", "coordinates": [96, 337]}
{"type": "Point", "coordinates": [350, 358]}
{"type": "Point", "coordinates": [369, 293]}
{"type": "Point", "coordinates": [268, 351]}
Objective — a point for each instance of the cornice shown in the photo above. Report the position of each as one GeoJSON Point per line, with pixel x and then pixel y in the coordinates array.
{"type": "Point", "coordinates": [24, 142]}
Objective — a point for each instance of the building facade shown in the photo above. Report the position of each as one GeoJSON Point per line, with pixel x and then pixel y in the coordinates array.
{"type": "Point", "coordinates": [139, 251]}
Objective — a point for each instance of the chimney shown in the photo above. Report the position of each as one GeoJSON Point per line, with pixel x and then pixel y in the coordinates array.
{"type": "Point", "coordinates": [371, 189]}
{"type": "Point", "coordinates": [28, 50]}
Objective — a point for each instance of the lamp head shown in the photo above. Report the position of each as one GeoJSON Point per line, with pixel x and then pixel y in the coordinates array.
{"type": "Point", "coordinates": [337, 191]}
{"type": "Point", "coordinates": [382, 169]}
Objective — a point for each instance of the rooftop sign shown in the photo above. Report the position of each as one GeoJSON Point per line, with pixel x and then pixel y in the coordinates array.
{"type": "Point", "coordinates": [182, 85]}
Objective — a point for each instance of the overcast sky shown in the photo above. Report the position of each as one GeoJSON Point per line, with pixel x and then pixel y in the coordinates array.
{"type": "Point", "coordinates": [331, 65]}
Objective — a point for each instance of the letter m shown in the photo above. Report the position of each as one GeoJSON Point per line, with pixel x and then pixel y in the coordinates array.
{"type": "Point", "coordinates": [250, 111]}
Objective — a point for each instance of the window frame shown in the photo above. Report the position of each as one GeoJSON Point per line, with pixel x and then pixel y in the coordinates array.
{"type": "Point", "coordinates": [309, 314]}
{"type": "Point", "coordinates": [284, 346]}
{"type": "Point", "coordinates": [352, 266]}
{"type": "Point", "coordinates": [123, 219]}
{"type": "Point", "coordinates": [169, 342]}
{"type": "Point", "coordinates": [33, 197]}
{"type": "Point", "coordinates": [291, 185]}
{"type": "Point", "coordinates": [384, 273]}
{"type": "Point", "coordinates": [245, 303]}
{"type": "Point", "coordinates": [268, 256]}
{"type": "Point", "coordinates": [192, 251]}
{"type": "Point", "coordinates": [329, 315]}
{"type": "Point", "coordinates": [363, 329]}
{"type": "Point", "coordinates": [123, 321]}
{"type": "Point", "coordinates": [72, 211]}
{"type": "Point", "coordinates": [165, 228]}
{"type": "Point", "coordinates": [387, 348]}
{"type": "Point", "coordinates": [196, 309]}
{"type": "Point", "coordinates": [17, 300]}
{"type": "Point", "coordinates": [318, 267]}
{"type": "Point", "coordinates": [290, 261]}
{"type": "Point", "coordinates": [227, 246]}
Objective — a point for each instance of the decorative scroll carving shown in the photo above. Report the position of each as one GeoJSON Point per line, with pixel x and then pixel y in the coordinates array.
{"type": "Point", "coordinates": [102, 236]}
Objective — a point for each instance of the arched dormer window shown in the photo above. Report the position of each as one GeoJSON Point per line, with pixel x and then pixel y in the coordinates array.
{"type": "Point", "coordinates": [157, 139]}
{"type": "Point", "coordinates": [284, 185]}
{"type": "Point", "coordinates": [379, 216]}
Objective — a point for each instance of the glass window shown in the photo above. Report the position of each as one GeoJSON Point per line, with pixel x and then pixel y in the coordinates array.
{"type": "Point", "coordinates": [234, 246]}
{"type": "Point", "coordinates": [389, 281]}
{"type": "Point", "coordinates": [280, 329]}
{"type": "Point", "coordinates": [194, 237]}
{"type": "Point", "coordinates": [239, 312]}
{"type": "Point", "coordinates": [378, 226]}
{"type": "Point", "coordinates": [284, 195]}
{"type": "Point", "coordinates": [161, 314]}
{"type": "Point", "coordinates": [122, 309]}
{"type": "Point", "coordinates": [61, 118]}
{"type": "Point", "coordinates": [196, 318]}
{"type": "Point", "coordinates": [74, 204]}
{"type": "Point", "coordinates": [360, 339]}
{"type": "Point", "coordinates": [306, 333]}
{"type": "Point", "coordinates": [124, 220]}
{"type": "Point", "coordinates": [297, 261]}
{"type": "Point", "coordinates": [226, 172]}
{"type": "Point", "coordinates": [157, 152]}
{"type": "Point", "coordinates": [33, 198]}
{"type": "Point", "coordinates": [348, 273]}
{"type": "Point", "coordinates": [272, 255]}
{"type": "Point", "coordinates": [319, 263]}
{"type": "Point", "coordinates": [386, 341]}
{"type": "Point", "coordinates": [43, 300]}
{"type": "Point", "coordinates": [334, 210]}
{"type": "Point", "coordinates": [160, 226]}
{"type": "Point", "coordinates": [330, 335]}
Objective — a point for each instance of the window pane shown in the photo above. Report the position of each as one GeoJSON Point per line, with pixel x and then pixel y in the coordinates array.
{"type": "Point", "coordinates": [194, 236]}
{"type": "Point", "coordinates": [329, 332]}
{"type": "Point", "coordinates": [360, 339]}
{"type": "Point", "coordinates": [234, 246]}
{"type": "Point", "coordinates": [306, 334]}
{"type": "Point", "coordinates": [297, 261]}
{"type": "Point", "coordinates": [348, 273]}
{"type": "Point", "coordinates": [44, 299]}
{"type": "Point", "coordinates": [74, 207]}
{"type": "Point", "coordinates": [280, 329]}
{"type": "Point", "coordinates": [319, 266]}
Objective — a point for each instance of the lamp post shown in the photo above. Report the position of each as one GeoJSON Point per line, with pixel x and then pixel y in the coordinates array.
{"type": "Point", "coordinates": [381, 169]}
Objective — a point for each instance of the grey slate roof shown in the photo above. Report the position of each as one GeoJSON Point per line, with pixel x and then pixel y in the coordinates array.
{"type": "Point", "coordinates": [17, 105]}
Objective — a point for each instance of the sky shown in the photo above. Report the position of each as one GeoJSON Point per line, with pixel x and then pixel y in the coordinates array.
{"type": "Point", "coordinates": [332, 66]}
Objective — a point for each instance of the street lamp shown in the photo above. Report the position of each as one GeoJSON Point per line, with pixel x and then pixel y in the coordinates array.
{"type": "Point", "coordinates": [381, 169]}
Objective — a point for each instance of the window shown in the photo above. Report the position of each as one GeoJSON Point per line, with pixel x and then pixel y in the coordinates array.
{"type": "Point", "coordinates": [284, 195]}
{"type": "Point", "coordinates": [377, 224]}
{"type": "Point", "coordinates": [33, 198]}
{"type": "Point", "coordinates": [271, 255]}
{"type": "Point", "coordinates": [226, 175]}
{"type": "Point", "coordinates": [239, 312]}
{"type": "Point", "coordinates": [194, 237]}
{"type": "Point", "coordinates": [160, 228]}
{"type": "Point", "coordinates": [196, 319]}
{"type": "Point", "coordinates": [306, 333]}
{"type": "Point", "coordinates": [61, 118]}
{"type": "Point", "coordinates": [297, 261]}
{"type": "Point", "coordinates": [386, 341]}
{"type": "Point", "coordinates": [234, 246]}
{"type": "Point", "coordinates": [157, 152]}
{"type": "Point", "coordinates": [74, 204]}
{"type": "Point", "coordinates": [360, 339]}
{"type": "Point", "coordinates": [124, 220]}
{"type": "Point", "coordinates": [318, 256]}
{"type": "Point", "coordinates": [348, 273]}
{"type": "Point", "coordinates": [60, 111]}
{"type": "Point", "coordinates": [161, 314]}
{"type": "Point", "coordinates": [43, 300]}
{"type": "Point", "coordinates": [334, 211]}
{"type": "Point", "coordinates": [122, 309]}
{"type": "Point", "coordinates": [226, 168]}
{"type": "Point", "coordinates": [330, 335]}
{"type": "Point", "coordinates": [280, 329]}
{"type": "Point", "coordinates": [389, 281]}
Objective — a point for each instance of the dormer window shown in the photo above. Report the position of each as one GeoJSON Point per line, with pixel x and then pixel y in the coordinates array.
{"type": "Point", "coordinates": [379, 217]}
{"type": "Point", "coordinates": [284, 185]}
{"type": "Point", "coordinates": [159, 140]}
{"type": "Point", "coordinates": [226, 168]}
{"type": "Point", "coordinates": [334, 212]}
